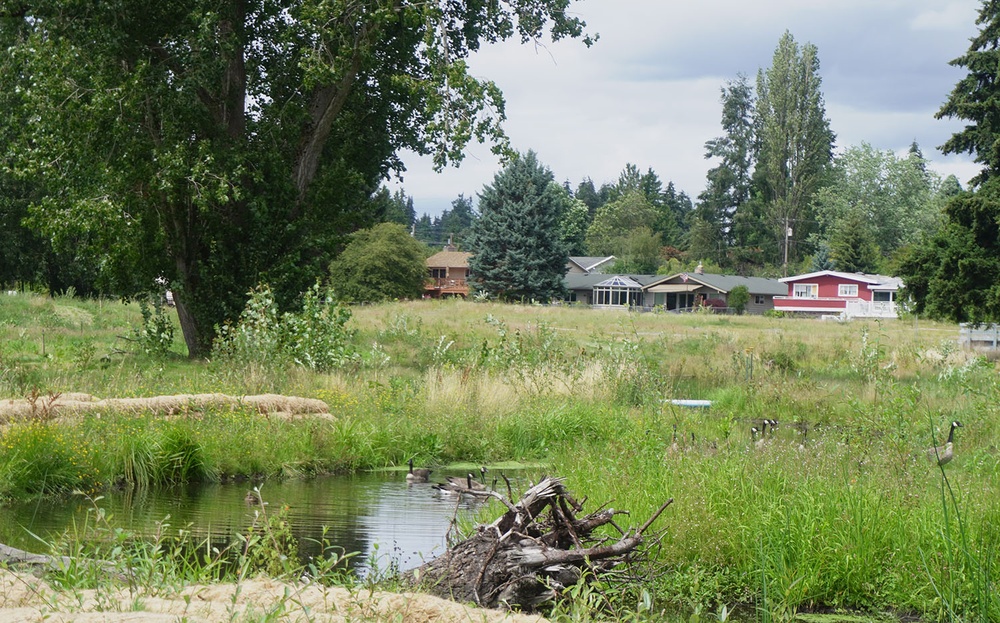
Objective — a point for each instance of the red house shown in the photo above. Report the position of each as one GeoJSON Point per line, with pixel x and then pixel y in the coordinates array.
{"type": "Point", "coordinates": [850, 295]}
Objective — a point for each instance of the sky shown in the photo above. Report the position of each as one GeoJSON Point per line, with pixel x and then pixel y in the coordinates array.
{"type": "Point", "coordinates": [647, 93]}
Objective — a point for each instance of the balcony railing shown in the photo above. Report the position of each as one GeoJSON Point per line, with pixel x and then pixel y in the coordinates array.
{"type": "Point", "coordinates": [448, 284]}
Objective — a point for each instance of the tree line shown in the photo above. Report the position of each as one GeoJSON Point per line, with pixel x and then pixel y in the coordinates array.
{"type": "Point", "coordinates": [220, 145]}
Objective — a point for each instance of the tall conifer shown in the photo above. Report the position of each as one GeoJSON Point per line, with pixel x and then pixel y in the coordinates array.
{"type": "Point", "coordinates": [518, 250]}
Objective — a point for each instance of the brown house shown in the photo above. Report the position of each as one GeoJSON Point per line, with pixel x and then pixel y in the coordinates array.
{"type": "Point", "coordinates": [449, 274]}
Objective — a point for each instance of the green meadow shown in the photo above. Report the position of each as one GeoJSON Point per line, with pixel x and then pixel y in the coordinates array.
{"type": "Point", "coordinates": [836, 509]}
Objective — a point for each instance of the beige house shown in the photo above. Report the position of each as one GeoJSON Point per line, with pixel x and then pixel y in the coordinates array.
{"type": "Point", "coordinates": [449, 274]}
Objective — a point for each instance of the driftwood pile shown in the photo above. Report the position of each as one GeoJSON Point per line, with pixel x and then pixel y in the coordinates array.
{"type": "Point", "coordinates": [523, 559]}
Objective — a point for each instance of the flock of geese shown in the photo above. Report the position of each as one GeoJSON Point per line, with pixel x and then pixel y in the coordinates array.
{"type": "Point", "coordinates": [452, 484]}
{"type": "Point", "coordinates": [759, 439]}
{"type": "Point", "coordinates": [762, 435]}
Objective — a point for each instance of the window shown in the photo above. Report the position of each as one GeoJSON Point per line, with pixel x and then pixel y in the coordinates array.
{"type": "Point", "coordinates": [847, 289]}
{"type": "Point", "coordinates": [882, 296]}
{"type": "Point", "coordinates": [439, 273]}
{"type": "Point", "coordinates": [805, 291]}
{"type": "Point", "coordinates": [759, 299]}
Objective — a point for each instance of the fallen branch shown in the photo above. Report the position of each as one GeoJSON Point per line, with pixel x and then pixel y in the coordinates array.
{"type": "Point", "coordinates": [527, 555]}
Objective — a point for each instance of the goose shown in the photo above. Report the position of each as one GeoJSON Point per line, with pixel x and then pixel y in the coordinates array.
{"type": "Point", "coordinates": [456, 484]}
{"type": "Point", "coordinates": [420, 474]}
{"type": "Point", "coordinates": [253, 498]}
{"type": "Point", "coordinates": [943, 454]}
{"type": "Point", "coordinates": [674, 448]}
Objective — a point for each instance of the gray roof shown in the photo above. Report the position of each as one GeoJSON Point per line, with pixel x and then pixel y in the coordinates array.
{"type": "Point", "coordinates": [589, 263]}
{"type": "Point", "coordinates": [722, 283]}
{"type": "Point", "coordinates": [725, 283]}
{"type": "Point", "coordinates": [576, 281]}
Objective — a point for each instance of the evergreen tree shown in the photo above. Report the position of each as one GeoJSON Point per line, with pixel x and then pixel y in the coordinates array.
{"type": "Point", "coordinates": [456, 224]}
{"type": "Point", "coordinates": [976, 97]}
{"type": "Point", "coordinates": [517, 244]}
{"type": "Point", "coordinates": [853, 248]}
{"type": "Point", "coordinates": [728, 187]}
{"type": "Point", "coordinates": [586, 193]}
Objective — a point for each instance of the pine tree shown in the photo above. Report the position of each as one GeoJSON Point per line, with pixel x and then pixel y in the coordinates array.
{"type": "Point", "coordinates": [518, 250]}
{"type": "Point", "coordinates": [976, 97]}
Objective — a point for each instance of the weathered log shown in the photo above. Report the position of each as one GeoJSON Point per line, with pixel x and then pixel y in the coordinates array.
{"type": "Point", "coordinates": [527, 555]}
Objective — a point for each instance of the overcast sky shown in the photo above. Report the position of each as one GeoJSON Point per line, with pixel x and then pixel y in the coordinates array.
{"type": "Point", "coordinates": [647, 92]}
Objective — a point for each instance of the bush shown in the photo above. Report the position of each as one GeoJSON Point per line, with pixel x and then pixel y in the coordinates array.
{"type": "Point", "coordinates": [316, 337]}
{"type": "Point", "coordinates": [738, 298]}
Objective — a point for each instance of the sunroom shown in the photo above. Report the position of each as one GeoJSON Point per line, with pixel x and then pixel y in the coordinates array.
{"type": "Point", "coordinates": [618, 291]}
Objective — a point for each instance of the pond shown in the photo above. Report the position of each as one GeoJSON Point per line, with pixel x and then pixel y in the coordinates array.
{"type": "Point", "coordinates": [378, 515]}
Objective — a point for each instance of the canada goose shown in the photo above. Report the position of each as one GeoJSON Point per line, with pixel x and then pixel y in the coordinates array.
{"type": "Point", "coordinates": [758, 443]}
{"type": "Point", "coordinates": [253, 498]}
{"type": "Point", "coordinates": [674, 448]}
{"type": "Point", "coordinates": [420, 474]}
{"type": "Point", "coordinates": [943, 454]}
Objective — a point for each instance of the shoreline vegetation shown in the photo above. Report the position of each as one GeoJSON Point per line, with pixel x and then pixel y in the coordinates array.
{"type": "Point", "coordinates": [835, 507]}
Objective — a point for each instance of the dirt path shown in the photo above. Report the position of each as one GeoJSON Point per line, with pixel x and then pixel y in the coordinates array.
{"type": "Point", "coordinates": [24, 597]}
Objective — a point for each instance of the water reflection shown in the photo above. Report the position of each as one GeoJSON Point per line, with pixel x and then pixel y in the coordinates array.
{"type": "Point", "coordinates": [378, 515]}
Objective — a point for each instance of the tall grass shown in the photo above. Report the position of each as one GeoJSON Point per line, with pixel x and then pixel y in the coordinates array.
{"type": "Point", "coordinates": [837, 508]}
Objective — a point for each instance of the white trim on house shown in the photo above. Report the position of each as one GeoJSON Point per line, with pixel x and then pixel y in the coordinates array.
{"type": "Point", "coordinates": [812, 293]}
{"type": "Point", "coordinates": [847, 290]}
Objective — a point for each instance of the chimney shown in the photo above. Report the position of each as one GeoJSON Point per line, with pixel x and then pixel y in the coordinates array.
{"type": "Point", "coordinates": [699, 269]}
{"type": "Point", "coordinates": [450, 246]}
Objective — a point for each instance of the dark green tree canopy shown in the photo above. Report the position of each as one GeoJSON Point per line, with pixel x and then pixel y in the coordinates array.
{"type": "Point", "coordinates": [976, 97]}
{"type": "Point", "coordinates": [383, 263]}
{"type": "Point", "coordinates": [226, 142]}
{"type": "Point", "coordinates": [519, 254]}
{"type": "Point", "coordinates": [955, 274]}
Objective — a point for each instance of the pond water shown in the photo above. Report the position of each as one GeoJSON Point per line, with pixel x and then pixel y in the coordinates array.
{"type": "Point", "coordinates": [378, 515]}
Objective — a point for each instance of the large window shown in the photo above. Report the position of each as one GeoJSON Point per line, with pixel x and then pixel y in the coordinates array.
{"type": "Point", "coordinates": [847, 289]}
{"type": "Point", "coordinates": [805, 291]}
{"type": "Point", "coordinates": [883, 296]}
{"type": "Point", "coordinates": [618, 291]}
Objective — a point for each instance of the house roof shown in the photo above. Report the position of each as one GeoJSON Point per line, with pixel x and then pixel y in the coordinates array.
{"type": "Point", "coordinates": [875, 282]}
{"type": "Point", "coordinates": [575, 281]}
{"type": "Point", "coordinates": [725, 283]}
{"type": "Point", "coordinates": [589, 263]}
{"type": "Point", "coordinates": [449, 259]}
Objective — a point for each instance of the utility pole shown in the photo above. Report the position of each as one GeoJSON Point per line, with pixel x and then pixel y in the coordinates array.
{"type": "Point", "coordinates": [788, 234]}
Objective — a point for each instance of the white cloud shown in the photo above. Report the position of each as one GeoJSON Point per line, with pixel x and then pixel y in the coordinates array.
{"type": "Point", "coordinates": [648, 92]}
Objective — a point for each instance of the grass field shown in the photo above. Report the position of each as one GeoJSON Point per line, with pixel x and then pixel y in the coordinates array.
{"type": "Point", "coordinates": [837, 507]}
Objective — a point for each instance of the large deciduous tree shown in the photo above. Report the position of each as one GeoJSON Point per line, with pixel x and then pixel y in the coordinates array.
{"type": "Point", "coordinates": [896, 200]}
{"type": "Point", "coordinates": [519, 254]}
{"type": "Point", "coordinates": [795, 141]}
{"type": "Point", "coordinates": [224, 142]}
{"type": "Point", "coordinates": [379, 264]}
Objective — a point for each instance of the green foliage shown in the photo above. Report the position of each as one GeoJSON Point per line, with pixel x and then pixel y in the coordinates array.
{"type": "Point", "coordinates": [853, 248]}
{"type": "Point", "coordinates": [876, 202]}
{"type": "Point", "coordinates": [614, 222]}
{"type": "Point", "coordinates": [378, 264]}
{"type": "Point", "coordinates": [796, 143]}
{"type": "Point", "coordinates": [738, 298]}
{"type": "Point", "coordinates": [518, 250]}
{"type": "Point", "coordinates": [974, 96]}
{"type": "Point", "coordinates": [156, 335]}
{"type": "Point", "coordinates": [954, 274]}
{"type": "Point", "coordinates": [220, 147]}
{"type": "Point", "coordinates": [317, 337]}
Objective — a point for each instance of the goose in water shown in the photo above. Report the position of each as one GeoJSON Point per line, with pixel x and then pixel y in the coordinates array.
{"type": "Point", "coordinates": [420, 474]}
{"type": "Point", "coordinates": [943, 454]}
